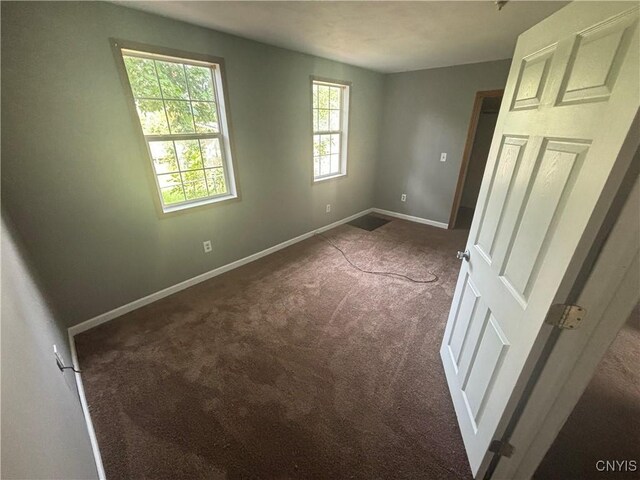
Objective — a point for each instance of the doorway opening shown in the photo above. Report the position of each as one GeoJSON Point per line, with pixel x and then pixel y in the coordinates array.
{"type": "Point", "coordinates": [474, 159]}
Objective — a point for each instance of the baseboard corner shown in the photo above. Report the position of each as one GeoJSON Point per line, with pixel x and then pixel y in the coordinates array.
{"type": "Point", "coordinates": [411, 218]}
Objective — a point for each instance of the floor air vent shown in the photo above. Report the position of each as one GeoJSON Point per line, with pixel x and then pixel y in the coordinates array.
{"type": "Point", "coordinates": [368, 222]}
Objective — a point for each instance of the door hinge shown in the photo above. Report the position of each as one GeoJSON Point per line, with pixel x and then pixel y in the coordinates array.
{"type": "Point", "coordinates": [501, 448]}
{"type": "Point", "coordinates": [566, 317]}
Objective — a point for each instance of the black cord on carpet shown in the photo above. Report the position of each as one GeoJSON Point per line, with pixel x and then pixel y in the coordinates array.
{"type": "Point", "coordinates": [373, 272]}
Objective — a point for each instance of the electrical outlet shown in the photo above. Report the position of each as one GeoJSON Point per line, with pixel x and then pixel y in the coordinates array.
{"type": "Point", "coordinates": [207, 246]}
{"type": "Point", "coordinates": [403, 197]}
{"type": "Point", "coordinates": [443, 157]}
{"type": "Point", "coordinates": [328, 207]}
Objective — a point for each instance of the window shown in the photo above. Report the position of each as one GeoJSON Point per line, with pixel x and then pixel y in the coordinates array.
{"type": "Point", "coordinates": [180, 105]}
{"type": "Point", "coordinates": [330, 125]}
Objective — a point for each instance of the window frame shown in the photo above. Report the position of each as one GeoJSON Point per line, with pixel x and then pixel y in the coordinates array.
{"type": "Point", "coordinates": [345, 116]}
{"type": "Point", "coordinates": [124, 47]}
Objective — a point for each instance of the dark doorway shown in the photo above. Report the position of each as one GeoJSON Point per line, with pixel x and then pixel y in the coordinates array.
{"type": "Point", "coordinates": [481, 128]}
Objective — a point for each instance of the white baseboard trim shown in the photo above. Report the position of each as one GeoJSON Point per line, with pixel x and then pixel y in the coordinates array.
{"type": "Point", "coordinates": [85, 410]}
{"type": "Point", "coordinates": [129, 307]}
{"type": "Point", "coordinates": [411, 218]}
{"type": "Point", "coordinates": [141, 302]}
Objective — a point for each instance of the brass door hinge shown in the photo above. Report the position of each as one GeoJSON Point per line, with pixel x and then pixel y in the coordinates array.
{"type": "Point", "coordinates": [566, 317]}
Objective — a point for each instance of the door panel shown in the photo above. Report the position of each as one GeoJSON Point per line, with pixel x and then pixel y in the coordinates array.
{"type": "Point", "coordinates": [532, 79]}
{"type": "Point", "coordinates": [467, 310]}
{"type": "Point", "coordinates": [555, 171]}
{"type": "Point", "coordinates": [594, 68]}
{"type": "Point", "coordinates": [509, 158]}
{"type": "Point", "coordinates": [571, 96]}
{"type": "Point", "coordinates": [491, 349]}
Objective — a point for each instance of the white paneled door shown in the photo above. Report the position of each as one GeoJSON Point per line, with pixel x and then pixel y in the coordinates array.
{"type": "Point", "coordinates": [555, 162]}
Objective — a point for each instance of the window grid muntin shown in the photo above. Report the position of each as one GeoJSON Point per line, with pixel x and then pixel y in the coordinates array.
{"type": "Point", "coordinates": [316, 84]}
{"type": "Point", "coordinates": [173, 137]}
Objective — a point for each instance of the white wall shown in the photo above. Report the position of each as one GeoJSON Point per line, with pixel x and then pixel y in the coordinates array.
{"type": "Point", "coordinates": [43, 435]}
{"type": "Point", "coordinates": [425, 113]}
{"type": "Point", "coordinates": [75, 171]}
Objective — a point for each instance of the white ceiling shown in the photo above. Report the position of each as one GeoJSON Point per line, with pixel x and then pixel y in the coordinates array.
{"type": "Point", "coordinates": [386, 36]}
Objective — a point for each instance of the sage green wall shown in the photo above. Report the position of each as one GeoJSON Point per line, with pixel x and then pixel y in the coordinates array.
{"type": "Point", "coordinates": [426, 113]}
{"type": "Point", "coordinates": [74, 178]}
{"type": "Point", "coordinates": [44, 434]}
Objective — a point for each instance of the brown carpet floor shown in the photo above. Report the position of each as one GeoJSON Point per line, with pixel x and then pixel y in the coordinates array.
{"type": "Point", "coordinates": [605, 424]}
{"type": "Point", "coordinates": [295, 366]}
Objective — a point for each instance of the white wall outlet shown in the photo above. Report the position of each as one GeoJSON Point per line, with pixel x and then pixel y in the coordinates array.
{"type": "Point", "coordinates": [403, 197]}
{"type": "Point", "coordinates": [443, 157]}
{"type": "Point", "coordinates": [207, 246]}
{"type": "Point", "coordinates": [328, 207]}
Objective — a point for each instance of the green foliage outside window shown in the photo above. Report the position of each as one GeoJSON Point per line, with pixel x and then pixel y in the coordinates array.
{"type": "Point", "coordinates": [174, 99]}
{"type": "Point", "coordinates": [327, 111]}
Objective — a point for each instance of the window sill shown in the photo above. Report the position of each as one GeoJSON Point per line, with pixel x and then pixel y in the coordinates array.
{"type": "Point", "coordinates": [332, 177]}
{"type": "Point", "coordinates": [197, 203]}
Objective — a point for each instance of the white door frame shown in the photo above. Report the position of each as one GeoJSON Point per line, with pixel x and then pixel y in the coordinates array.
{"type": "Point", "coordinates": [609, 295]}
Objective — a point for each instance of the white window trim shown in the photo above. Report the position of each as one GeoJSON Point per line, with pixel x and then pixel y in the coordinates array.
{"type": "Point", "coordinates": [345, 112]}
{"type": "Point", "coordinates": [216, 66]}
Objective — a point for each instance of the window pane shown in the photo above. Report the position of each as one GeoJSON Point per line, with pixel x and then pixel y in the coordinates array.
{"type": "Point", "coordinates": [180, 118]}
{"type": "Point", "coordinates": [328, 115]}
{"type": "Point", "coordinates": [334, 120]}
{"type": "Point", "coordinates": [321, 145]}
{"type": "Point", "coordinates": [323, 120]}
{"type": "Point", "coordinates": [194, 184]}
{"type": "Point", "coordinates": [169, 180]}
{"type": "Point", "coordinates": [216, 181]}
{"type": "Point", "coordinates": [335, 143]}
{"type": "Point", "coordinates": [325, 145]}
{"type": "Point", "coordinates": [172, 80]}
{"type": "Point", "coordinates": [316, 166]}
{"type": "Point", "coordinates": [323, 96]}
{"type": "Point", "coordinates": [211, 153]}
{"type": "Point", "coordinates": [334, 97]}
{"type": "Point", "coordinates": [164, 157]}
{"type": "Point", "coordinates": [200, 83]}
{"type": "Point", "coordinates": [188, 154]}
{"type": "Point", "coordinates": [335, 163]}
{"type": "Point", "coordinates": [142, 77]}
{"type": "Point", "coordinates": [171, 188]}
{"type": "Point", "coordinates": [205, 117]}
{"type": "Point", "coordinates": [182, 124]}
{"type": "Point", "coordinates": [324, 165]}
{"type": "Point", "coordinates": [172, 195]}
{"type": "Point", "coordinates": [152, 117]}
